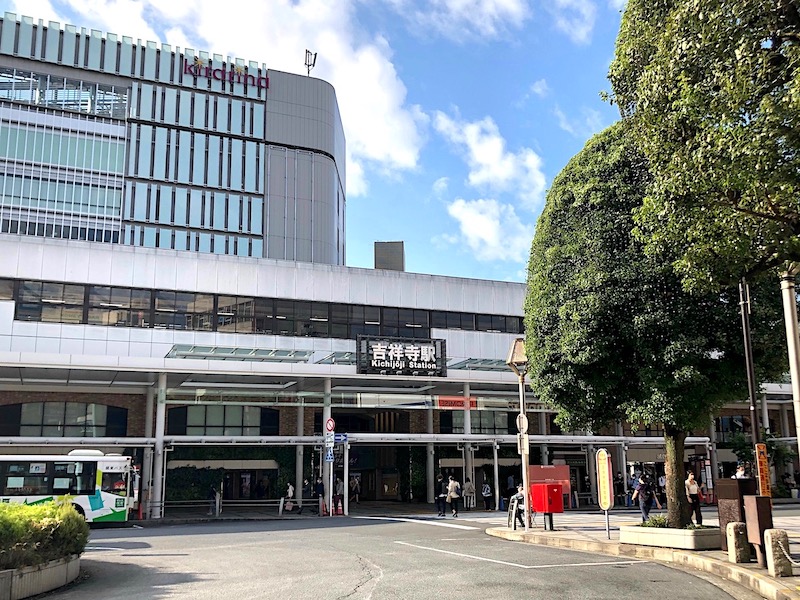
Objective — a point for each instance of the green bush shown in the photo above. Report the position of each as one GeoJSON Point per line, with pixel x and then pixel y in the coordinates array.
{"type": "Point", "coordinates": [34, 534]}
{"type": "Point", "coordinates": [656, 521]}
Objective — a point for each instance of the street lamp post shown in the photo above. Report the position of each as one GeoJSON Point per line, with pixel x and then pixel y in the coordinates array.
{"type": "Point", "coordinates": [518, 361]}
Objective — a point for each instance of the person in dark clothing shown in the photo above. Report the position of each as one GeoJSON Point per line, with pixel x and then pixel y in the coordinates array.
{"type": "Point", "coordinates": [440, 495]}
{"type": "Point", "coordinates": [212, 500]}
{"type": "Point", "coordinates": [319, 493]}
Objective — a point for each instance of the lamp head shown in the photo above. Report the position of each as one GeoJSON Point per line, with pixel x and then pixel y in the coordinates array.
{"type": "Point", "coordinates": [517, 358]}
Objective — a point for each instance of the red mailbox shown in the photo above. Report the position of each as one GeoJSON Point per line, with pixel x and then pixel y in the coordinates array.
{"type": "Point", "coordinates": [547, 497]}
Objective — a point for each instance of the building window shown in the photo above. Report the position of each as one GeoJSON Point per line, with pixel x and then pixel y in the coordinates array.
{"type": "Point", "coordinates": [200, 420]}
{"type": "Point", "coordinates": [63, 419]}
{"type": "Point", "coordinates": [729, 427]}
{"type": "Point", "coordinates": [488, 422]}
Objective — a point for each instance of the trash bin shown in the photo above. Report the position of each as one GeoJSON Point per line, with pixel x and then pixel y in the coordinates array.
{"type": "Point", "coordinates": [730, 503]}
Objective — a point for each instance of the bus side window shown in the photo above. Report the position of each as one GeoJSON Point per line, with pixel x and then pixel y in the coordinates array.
{"type": "Point", "coordinates": [114, 483]}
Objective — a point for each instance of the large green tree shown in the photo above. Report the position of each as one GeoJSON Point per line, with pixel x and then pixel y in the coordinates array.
{"type": "Point", "coordinates": [712, 91]}
{"type": "Point", "coordinates": [610, 331]}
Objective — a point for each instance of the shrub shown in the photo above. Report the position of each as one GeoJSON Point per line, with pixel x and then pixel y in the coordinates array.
{"type": "Point", "coordinates": [656, 521]}
{"type": "Point", "coordinates": [34, 534]}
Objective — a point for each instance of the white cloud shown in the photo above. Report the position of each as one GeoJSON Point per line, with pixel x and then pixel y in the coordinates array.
{"type": "Point", "coordinates": [586, 125]}
{"type": "Point", "coordinates": [440, 185]}
{"type": "Point", "coordinates": [38, 9]}
{"type": "Point", "coordinates": [492, 230]}
{"type": "Point", "coordinates": [540, 88]}
{"type": "Point", "coordinates": [462, 19]}
{"type": "Point", "coordinates": [372, 97]}
{"type": "Point", "coordinates": [576, 18]}
{"type": "Point", "coordinates": [491, 165]}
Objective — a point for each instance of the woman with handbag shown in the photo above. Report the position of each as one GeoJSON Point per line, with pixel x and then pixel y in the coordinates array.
{"type": "Point", "coordinates": [453, 494]}
{"type": "Point", "coordinates": [693, 496]}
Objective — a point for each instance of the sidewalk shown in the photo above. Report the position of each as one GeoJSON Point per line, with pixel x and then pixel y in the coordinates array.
{"type": "Point", "coordinates": [595, 540]}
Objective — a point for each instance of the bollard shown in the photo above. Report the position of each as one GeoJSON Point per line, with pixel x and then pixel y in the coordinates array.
{"type": "Point", "coordinates": [776, 546]}
{"type": "Point", "coordinates": [738, 547]}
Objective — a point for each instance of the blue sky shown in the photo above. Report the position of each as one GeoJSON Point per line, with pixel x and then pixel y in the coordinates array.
{"type": "Point", "coordinates": [458, 113]}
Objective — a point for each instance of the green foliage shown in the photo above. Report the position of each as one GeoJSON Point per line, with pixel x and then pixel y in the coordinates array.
{"type": "Point", "coordinates": [712, 90]}
{"type": "Point", "coordinates": [191, 483]}
{"type": "Point", "coordinates": [610, 331]}
{"type": "Point", "coordinates": [779, 454]}
{"type": "Point", "coordinates": [656, 521]}
{"type": "Point", "coordinates": [31, 535]}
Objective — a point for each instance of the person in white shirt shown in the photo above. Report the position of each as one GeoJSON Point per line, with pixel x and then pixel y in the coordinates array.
{"type": "Point", "coordinates": [693, 496]}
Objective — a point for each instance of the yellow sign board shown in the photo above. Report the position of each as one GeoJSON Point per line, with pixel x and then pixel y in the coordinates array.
{"type": "Point", "coordinates": [762, 462]}
{"type": "Point", "coordinates": [605, 483]}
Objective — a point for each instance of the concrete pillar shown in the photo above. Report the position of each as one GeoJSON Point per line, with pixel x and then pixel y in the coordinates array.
{"type": "Point", "coordinates": [543, 449]}
{"type": "Point", "coordinates": [327, 471]}
{"type": "Point", "coordinates": [147, 458]}
{"type": "Point", "coordinates": [712, 436]}
{"type": "Point", "coordinates": [157, 497]}
{"type": "Point", "coordinates": [346, 480]}
{"type": "Point", "coordinates": [298, 457]}
{"type": "Point", "coordinates": [765, 414]}
{"type": "Point", "coordinates": [786, 433]}
{"type": "Point", "coordinates": [496, 477]}
{"type": "Point", "coordinates": [789, 296]}
{"type": "Point", "coordinates": [591, 463]}
{"type": "Point", "coordinates": [619, 461]}
{"type": "Point", "coordinates": [776, 545]}
{"type": "Point", "coordinates": [738, 547]}
{"type": "Point", "coordinates": [469, 463]}
{"type": "Point", "coordinates": [430, 476]}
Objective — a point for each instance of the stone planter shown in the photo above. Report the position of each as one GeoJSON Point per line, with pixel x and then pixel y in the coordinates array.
{"type": "Point", "coordinates": [663, 537]}
{"type": "Point", "coordinates": [30, 581]}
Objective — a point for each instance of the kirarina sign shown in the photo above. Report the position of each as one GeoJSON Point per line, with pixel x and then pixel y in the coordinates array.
{"type": "Point", "coordinates": [235, 74]}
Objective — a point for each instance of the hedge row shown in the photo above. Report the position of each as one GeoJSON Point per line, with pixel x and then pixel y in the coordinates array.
{"type": "Point", "coordinates": [34, 534]}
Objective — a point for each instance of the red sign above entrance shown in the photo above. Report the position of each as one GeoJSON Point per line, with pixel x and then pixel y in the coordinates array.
{"type": "Point", "coordinates": [456, 402]}
{"type": "Point", "coordinates": [235, 74]}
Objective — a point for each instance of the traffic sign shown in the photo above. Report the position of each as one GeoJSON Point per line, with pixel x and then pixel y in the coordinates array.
{"type": "Point", "coordinates": [330, 425]}
{"type": "Point", "coordinates": [329, 440]}
{"type": "Point", "coordinates": [605, 482]}
{"type": "Point", "coordinates": [522, 423]}
{"type": "Point", "coordinates": [340, 438]}
{"type": "Point", "coordinates": [523, 445]}
{"type": "Point", "coordinates": [329, 455]}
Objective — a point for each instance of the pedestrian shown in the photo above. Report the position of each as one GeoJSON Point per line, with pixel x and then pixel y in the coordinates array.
{"type": "Point", "coordinates": [305, 497]}
{"type": "Point", "coordinates": [693, 496]}
{"type": "Point", "coordinates": [440, 495]}
{"type": "Point", "coordinates": [338, 495]}
{"type": "Point", "coordinates": [453, 494]}
{"type": "Point", "coordinates": [646, 495]}
{"type": "Point", "coordinates": [289, 497]}
{"type": "Point", "coordinates": [662, 487]}
{"type": "Point", "coordinates": [740, 473]}
{"type": "Point", "coordinates": [469, 494]}
{"type": "Point", "coordinates": [511, 487]}
{"type": "Point", "coordinates": [486, 492]}
{"type": "Point", "coordinates": [519, 496]}
{"type": "Point", "coordinates": [212, 500]}
{"type": "Point", "coordinates": [355, 489]}
{"type": "Point", "coordinates": [319, 492]}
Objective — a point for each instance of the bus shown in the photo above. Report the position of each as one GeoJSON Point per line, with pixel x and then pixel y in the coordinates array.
{"type": "Point", "coordinates": [99, 486]}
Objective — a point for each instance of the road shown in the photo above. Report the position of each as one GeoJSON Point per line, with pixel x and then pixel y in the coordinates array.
{"type": "Point", "coordinates": [359, 558]}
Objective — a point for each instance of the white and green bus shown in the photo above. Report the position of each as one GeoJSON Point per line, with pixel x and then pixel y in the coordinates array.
{"type": "Point", "coordinates": [98, 485]}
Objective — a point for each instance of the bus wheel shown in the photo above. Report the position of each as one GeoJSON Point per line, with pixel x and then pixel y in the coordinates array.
{"type": "Point", "coordinates": [79, 510]}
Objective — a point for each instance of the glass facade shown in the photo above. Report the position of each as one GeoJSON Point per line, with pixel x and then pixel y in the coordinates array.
{"type": "Point", "coordinates": [52, 302]}
{"type": "Point", "coordinates": [149, 146]}
{"type": "Point", "coordinates": [63, 419]}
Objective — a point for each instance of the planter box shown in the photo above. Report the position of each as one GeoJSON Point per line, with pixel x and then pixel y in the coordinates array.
{"type": "Point", "coordinates": [29, 581]}
{"type": "Point", "coordinates": [663, 537]}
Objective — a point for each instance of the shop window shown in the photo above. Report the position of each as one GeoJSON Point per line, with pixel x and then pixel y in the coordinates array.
{"type": "Point", "coordinates": [64, 419]}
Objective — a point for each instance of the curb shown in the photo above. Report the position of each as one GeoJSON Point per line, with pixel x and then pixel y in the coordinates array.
{"type": "Point", "coordinates": [759, 583]}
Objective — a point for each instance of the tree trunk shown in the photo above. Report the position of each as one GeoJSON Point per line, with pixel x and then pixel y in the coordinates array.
{"type": "Point", "coordinates": [677, 506]}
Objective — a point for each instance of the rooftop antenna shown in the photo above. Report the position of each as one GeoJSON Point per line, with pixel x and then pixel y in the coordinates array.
{"type": "Point", "coordinates": [311, 60]}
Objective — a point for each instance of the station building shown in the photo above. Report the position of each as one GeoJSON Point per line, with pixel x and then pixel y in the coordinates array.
{"type": "Point", "coordinates": [173, 286]}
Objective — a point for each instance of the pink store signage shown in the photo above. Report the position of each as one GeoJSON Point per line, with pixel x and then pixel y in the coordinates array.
{"type": "Point", "coordinates": [234, 74]}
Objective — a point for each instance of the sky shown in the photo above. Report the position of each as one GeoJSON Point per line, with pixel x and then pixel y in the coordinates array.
{"type": "Point", "coordinates": [458, 114]}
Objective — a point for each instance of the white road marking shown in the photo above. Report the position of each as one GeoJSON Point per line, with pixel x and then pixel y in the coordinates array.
{"type": "Point", "coordinates": [422, 522]}
{"type": "Point", "coordinates": [510, 564]}
{"type": "Point", "coordinates": [102, 548]}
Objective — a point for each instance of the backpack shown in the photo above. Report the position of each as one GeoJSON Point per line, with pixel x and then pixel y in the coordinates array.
{"type": "Point", "coordinates": [646, 491]}
{"type": "Point", "coordinates": [457, 491]}
{"type": "Point", "coordinates": [487, 490]}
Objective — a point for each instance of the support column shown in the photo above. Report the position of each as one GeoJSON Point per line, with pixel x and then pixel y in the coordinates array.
{"type": "Point", "coordinates": [793, 343]}
{"type": "Point", "coordinates": [496, 477]}
{"type": "Point", "coordinates": [469, 468]}
{"type": "Point", "coordinates": [621, 466]}
{"type": "Point", "coordinates": [346, 480]}
{"type": "Point", "coordinates": [327, 470]}
{"type": "Point", "coordinates": [543, 449]}
{"type": "Point", "coordinates": [712, 436]}
{"type": "Point", "coordinates": [786, 433]}
{"type": "Point", "coordinates": [157, 497]}
{"type": "Point", "coordinates": [298, 457]}
{"type": "Point", "coordinates": [591, 464]}
{"type": "Point", "coordinates": [147, 458]}
{"type": "Point", "coordinates": [765, 414]}
{"type": "Point", "coordinates": [429, 462]}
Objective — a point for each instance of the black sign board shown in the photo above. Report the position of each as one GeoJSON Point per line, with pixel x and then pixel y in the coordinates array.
{"type": "Point", "coordinates": [401, 356]}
